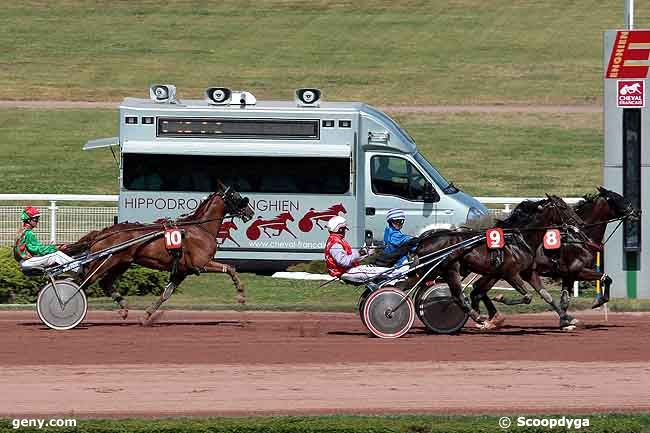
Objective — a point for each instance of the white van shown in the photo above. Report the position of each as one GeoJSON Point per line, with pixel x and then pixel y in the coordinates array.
{"type": "Point", "coordinates": [300, 162]}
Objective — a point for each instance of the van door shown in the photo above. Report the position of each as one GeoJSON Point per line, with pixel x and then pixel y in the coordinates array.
{"type": "Point", "coordinates": [394, 180]}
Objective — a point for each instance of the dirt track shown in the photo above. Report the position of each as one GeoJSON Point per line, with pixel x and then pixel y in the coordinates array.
{"type": "Point", "coordinates": [230, 363]}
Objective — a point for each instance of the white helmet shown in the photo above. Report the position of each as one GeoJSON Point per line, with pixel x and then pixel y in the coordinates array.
{"type": "Point", "coordinates": [336, 223]}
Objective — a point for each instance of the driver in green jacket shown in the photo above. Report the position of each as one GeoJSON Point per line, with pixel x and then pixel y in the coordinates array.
{"type": "Point", "coordinates": [29, 251]}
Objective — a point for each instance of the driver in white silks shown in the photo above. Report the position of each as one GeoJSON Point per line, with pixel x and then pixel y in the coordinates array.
{"type": "Point", "coordinates": [342, 260]}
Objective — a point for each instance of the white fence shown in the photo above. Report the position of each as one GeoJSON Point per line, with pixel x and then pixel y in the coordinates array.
{"type": "Point", "coordinates": [67, 223]}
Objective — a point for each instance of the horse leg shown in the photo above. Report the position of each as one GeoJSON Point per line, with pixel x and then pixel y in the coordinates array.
{"type": "Point", "coordinates": [174, 282]}
{"type": "Point", "coordinates": [213, 266]}
{"type": "Point", "coordinates": [479, 294]}
{"type": "Point", "coordinates": [567, 284]}
{"type": "Point", "coordinates": [586, 274]}
{"type": "Point", "coordinates": [106, 284]}
{"type": "Point", "coordinates": [520, 286]}
{"type": "Point", "coordinates": [495, 319]}
{"type": "Point", "coordinates": [453, 279]}
{"type": "Point", "coordinates": [566, 320]}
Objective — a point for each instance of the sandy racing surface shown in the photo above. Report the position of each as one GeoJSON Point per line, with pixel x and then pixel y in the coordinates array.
{"type": "Point", "coordinates": [235, 363]}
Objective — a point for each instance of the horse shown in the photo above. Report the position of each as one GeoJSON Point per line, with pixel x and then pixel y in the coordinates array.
{"type": "Point", "coordinates": [597, 210]}
{"type": "Point", "coordinates": [516, 262]}
{"type": "Point", "coordinates": [571, 259]}
{"type": "Point", "coordinates": [200, 230]}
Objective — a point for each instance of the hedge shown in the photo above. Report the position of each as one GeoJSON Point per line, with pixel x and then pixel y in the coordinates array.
{"type": "Point", "coordinates": [16, 288]}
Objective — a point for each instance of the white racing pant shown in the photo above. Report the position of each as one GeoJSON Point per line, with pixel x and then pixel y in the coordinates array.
{"type": "Point", "coordinates": [363, 273]}
{"type": "Point", "coordinates": [56, 258]}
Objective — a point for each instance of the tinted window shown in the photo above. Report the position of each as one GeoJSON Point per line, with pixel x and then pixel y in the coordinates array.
{"type": "Point", "coordinates": [397, 176]}
{"type": "Point", "coordinates": [246, 174]}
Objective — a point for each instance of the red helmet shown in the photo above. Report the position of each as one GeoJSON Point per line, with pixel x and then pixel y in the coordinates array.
{"type": "Point", "coordinates": [29, 213]}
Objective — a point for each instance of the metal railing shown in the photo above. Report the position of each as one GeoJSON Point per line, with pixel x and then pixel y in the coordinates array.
{"type": "Point", "coordinates": [68, 223]}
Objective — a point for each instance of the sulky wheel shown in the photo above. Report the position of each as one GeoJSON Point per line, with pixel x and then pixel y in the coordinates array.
{"type": "Point", "coordinates": [53, 313]}
{"type": "Point", "coordinates": [388, 313]}
{"type": "Point", "coordinates": [362, 302]}
{"type": "Point", "coordinates": [440, 312]}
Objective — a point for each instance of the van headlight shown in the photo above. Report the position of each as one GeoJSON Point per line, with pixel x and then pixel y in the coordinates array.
{"type": "Point", "coordinates": [474, 214]}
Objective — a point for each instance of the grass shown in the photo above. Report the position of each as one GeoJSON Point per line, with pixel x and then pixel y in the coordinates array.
{"type": "Point", "coordinates": [379, 51]}
{"type": "Point", "coordinates": [495, 154]}
{"type": "Point", "coordinates": [597, 423]}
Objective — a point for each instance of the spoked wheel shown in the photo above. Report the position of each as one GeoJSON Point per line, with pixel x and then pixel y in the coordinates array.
{"type": "Point", "coordinates": [388, 313]}
{"type": "Point", "coordinates": [362, 302]}
{"type": "Point", "coordinates": [64, 311]}
{"type": "Point", "coordinates": [440, 312]}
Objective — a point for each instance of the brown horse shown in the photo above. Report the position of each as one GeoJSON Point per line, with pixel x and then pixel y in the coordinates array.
{"type": "Point", "coordinates": [597, 210]}
{"type": "Point", "coordinates": [571, 259]}
{"type": "Point", "coordinates": [200, 230]}
{"type": "Point", "coordinates": [516, 263]}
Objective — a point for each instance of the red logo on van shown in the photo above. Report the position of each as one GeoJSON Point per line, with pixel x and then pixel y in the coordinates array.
{"type": "Point", "coordinates": [630, 94]}
{"type": "Point", "coordinates": [306, 223]}
{"type": "Point", "coordinates": [224, 232]}
{"type": "Point", "coordinates": [279, 224]}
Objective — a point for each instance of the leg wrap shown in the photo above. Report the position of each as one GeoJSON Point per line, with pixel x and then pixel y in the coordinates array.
{"type": "Point", "coordinates": [545, 295]}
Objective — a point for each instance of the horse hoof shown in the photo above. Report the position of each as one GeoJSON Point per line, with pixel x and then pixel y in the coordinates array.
{"type": "Point", "coordinates": [123, 312]}
{"type": "Point", "coordinates": [498, 298]}
{"type": "Point", "coordinates": [241, 300]}
{"type": "Point", "coordinates": [498, 320]}
{"type": "Point", "coordinates": [149, 319]}
{"type": "Point", "coordinates": [486, 326]}
{"type": "Point", "coordinates": [569, 328]}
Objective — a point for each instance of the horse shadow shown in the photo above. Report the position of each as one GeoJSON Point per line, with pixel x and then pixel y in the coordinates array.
{"type": "Point", "coordinates": [161, 324]}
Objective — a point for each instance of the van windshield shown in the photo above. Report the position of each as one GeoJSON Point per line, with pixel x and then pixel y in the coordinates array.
{"type": "Point", "coordinates": [439, 179]}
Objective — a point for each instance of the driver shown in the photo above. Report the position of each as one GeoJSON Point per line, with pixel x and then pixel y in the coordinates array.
{"type": "Point", "coordinates": [29, 252]}
{"type": "Point", "coordinates": [394, 240]}
{"type": "Point", "coordinates": [342, 261]}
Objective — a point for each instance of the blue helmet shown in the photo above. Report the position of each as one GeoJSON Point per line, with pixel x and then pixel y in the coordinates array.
{"type": "Point", "coordinates": [395, 214]}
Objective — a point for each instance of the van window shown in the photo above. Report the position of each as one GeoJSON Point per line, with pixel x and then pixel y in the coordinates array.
{"type": "Point", "coordinates": [391, 175]}
{"type": "Point", "coordinates": [192, 173]}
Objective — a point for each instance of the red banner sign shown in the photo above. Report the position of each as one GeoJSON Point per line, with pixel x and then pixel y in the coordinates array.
{"type": "Point", "coordinates": [630, 57]}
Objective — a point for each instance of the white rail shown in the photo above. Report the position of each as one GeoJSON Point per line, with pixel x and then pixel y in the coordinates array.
{"type": "Point", "coordinates": [68, 223]}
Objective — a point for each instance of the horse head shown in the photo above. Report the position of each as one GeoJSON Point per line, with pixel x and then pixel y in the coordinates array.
{"type": "Point", "coordinates": [619, 206]}
{"type": "Point", "coordinates": [235, 204]}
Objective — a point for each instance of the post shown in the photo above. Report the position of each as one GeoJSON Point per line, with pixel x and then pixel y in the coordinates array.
{"type": "Point", "coordinates": [576, 289]}
{"type": "Point", "coordinates": [53, 221]}
{"type": "Point", "coordinates": [629, 14]}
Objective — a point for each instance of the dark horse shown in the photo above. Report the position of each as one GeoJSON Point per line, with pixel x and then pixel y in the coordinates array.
{"type": "Point", "coordinates": [597, 210]}
{"type": "Point", "coordinates": [576, 259]}
{"type": "Point", "coordinates": [515, 263]}
{"type": "Point", "coordinates": [200, 230]}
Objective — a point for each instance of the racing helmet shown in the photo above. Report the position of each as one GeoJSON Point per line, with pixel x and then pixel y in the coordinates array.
{"type": "Point", "coordinates": [395, 214]}
{"type": "Point", "coordinates": [29, 212]}
{"type": "Point", "coordinates": [335, 224]}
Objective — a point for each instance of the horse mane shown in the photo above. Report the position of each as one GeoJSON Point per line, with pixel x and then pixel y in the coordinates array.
{"type": "Point", "coordinates": [522, 215]}
{"type": "Point", "coordinates": [199, 211]}
{"type": "Point", "coordinates": [436, 233]}
{"type": "Point", "coordinates": [584, 206]}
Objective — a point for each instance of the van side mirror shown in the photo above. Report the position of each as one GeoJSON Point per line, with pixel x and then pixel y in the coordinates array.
{"type": "Point", "coordinates": [430, 194]}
